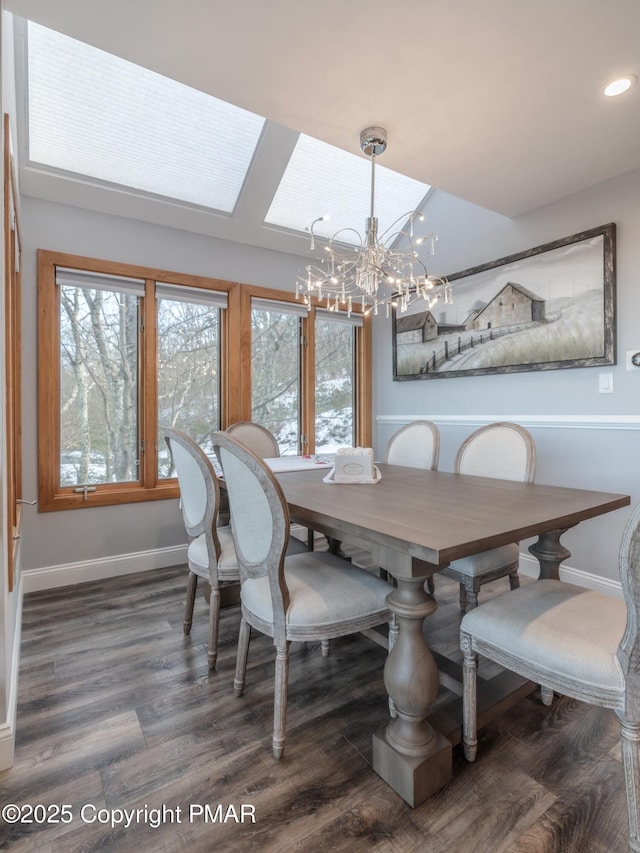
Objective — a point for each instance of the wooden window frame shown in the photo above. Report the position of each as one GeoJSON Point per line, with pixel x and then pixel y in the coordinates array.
{"type": "Point", "coordinates": [149, 487]}
{"type": "Point", "coordinates": [362, 375]}
{"type": "Point", "coordinates": [235, 390]}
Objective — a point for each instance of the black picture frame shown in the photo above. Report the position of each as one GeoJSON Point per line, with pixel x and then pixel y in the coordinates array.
{"type": "Point", "coordinates": [548, 308]}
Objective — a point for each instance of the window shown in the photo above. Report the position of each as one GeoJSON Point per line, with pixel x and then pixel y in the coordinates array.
{"type": "Point", "coordinates": [125, 351]}
{"type": "Point", "coordinates": [188, 365]}
{"type": "Point", "coordinates": [276, 334]}
{"type": "Point", "coordinates": [304, 193]}
{"type": "Point", "coordinates": [95, 114]}
{"type": "Point", "coordinates": [99, 319]}
{"type": "Point", "coordinates": [335, 385]}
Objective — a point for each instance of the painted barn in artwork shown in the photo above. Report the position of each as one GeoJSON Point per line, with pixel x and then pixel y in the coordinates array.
{"type": "Point", "coordinates": [416, 328]}
{"type": "Point", "coordinates": [514, 305]}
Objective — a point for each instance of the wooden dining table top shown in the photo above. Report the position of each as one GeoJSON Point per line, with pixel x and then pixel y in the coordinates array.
{"type": "Point", "coordinates": [438, 516]}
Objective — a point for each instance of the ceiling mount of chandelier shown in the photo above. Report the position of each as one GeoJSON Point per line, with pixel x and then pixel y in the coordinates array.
{"type": "Point", "coordinates": [383, 269]}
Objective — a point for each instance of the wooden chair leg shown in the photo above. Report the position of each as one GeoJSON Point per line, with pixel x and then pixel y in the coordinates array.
{"type": "Point", "coordinates": [463, 598]}
{"type": "Point", "coordinates": [241, 660]}
{"type": "Point", "coordinates": [469, 699]}
{"type": "Point", "coordinates": [280, 700]}
{"type": "Point", "coordinates": [310, 539]}
{"type": "Point", "coordinates": [514, 581]}
{"type": "Point", "coordinates": [214, 622]}
{"type": "Point", "coordinates": [471, 596]}
{"type": "Point", "coordinates": [192, 586]}
{"type": "Point", "coordinates": [630, 740]}
{"type": "Point", "coordinates": [326, 648]}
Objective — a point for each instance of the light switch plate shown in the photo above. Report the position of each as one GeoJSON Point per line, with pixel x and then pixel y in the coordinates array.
{"type": "Point", "coordinates": [605, 383]}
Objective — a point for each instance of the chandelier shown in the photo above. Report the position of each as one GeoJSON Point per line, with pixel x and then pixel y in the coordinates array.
{"type": "Point", "coordinates": [382, 269]}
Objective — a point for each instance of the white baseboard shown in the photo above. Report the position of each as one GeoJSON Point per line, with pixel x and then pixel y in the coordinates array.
{"type": "Point", "coordinates": [67, 574]}
{"type": "Point", "coordinates": [50, 577]}
{"type": "Point", "coordinates": [529, 567]}
{"type": "Point", "coordinates": [8, 726]}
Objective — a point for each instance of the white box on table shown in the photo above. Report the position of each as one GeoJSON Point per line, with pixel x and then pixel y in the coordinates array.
{"type": "Point", "coordinates": [353, 464]}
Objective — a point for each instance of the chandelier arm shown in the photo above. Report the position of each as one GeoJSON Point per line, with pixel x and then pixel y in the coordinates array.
{"type": "Point", "coordinates": [407, 217]}
{"type": "Point", "coordinates": [393, 238]}
{"type": "Point", "coordinates": [334, 238]}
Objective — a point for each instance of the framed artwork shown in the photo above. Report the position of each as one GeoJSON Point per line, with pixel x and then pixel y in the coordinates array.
{"type": "Point", "coordinates": [547, 308]}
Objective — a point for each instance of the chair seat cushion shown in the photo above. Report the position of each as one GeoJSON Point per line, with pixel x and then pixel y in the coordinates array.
{"type": "Point", "coordinates": [497, 558]}
{"type": "Point", "coordinates": [323, 590]}
{"type": "Point", "coordinates": [555, 627]}
{"type": "Point", "coordinates": [227, 565]}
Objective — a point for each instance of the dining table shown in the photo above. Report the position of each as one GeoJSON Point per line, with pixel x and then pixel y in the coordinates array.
{"type": "Point", "coordinates": [415, 522]}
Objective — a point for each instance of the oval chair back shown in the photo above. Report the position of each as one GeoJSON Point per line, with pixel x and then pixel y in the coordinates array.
{"type": "Point", "coordinates": [416, 445]}
{"type": "Point", "coordinates": [504, 451]}
{"type": "Point", "coordinates": [256, 437]}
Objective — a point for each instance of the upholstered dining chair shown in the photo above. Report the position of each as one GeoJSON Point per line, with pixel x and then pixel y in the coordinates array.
{"type": "Point", "coordinates": [263, 442]}
{"type": "Point", "coordinates": [415, 445]}
{"type": "Point", "coordinates": [211, 554]}
{"type": "Point", "coordinates": [505, 451]}
{"type": "Point", "coordinates": [573, 641]}
{"type": "Point", "coordinates": [305, 597]}
{"type": "Point", "coordinates": [265, 445]}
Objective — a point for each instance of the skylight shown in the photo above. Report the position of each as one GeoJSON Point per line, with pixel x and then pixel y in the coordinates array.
{"type": "Point", "coordinates": [323, 180]}
{"type": "Point", "coordinates": [94, 114]}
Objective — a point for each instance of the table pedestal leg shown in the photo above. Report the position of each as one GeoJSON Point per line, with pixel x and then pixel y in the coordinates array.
{"type": "Point", "coordinates": [409, 754]}
{"type": "Point", "coordinates": [550, 553]}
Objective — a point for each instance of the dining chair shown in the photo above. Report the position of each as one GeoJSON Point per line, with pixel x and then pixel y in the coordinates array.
{"type": "Point", "coordinates": [210, 554]}
{"type": "Point", "coordinates": [573, 641]}
{"type": "Point", "coordinates": [263, 442]}
{"type": "Point", "coordinates": [504, 451]}
{"type": "Point", "coordinates": [415, 445]}
{"type": "Point", "coordinates": [265, 445]}
{"type": "Point", "coordinates": [305, 597]}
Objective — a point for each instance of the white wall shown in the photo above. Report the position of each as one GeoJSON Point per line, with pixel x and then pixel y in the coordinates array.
{"type": "Point", "coordinates": [584, 439]}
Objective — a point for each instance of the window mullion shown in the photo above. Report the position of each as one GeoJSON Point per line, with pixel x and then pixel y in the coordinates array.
{"type": "Point", "coordinates": [148, 389]}
{"type": "Point", "coordinates": [307, 356]}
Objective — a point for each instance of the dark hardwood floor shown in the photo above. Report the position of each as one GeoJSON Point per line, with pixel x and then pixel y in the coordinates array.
{"type": "Point", "coordinates": [118, 711]}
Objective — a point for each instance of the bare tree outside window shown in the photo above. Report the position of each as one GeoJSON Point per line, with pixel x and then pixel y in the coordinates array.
{"type": "Point", "coordinates": [334, 391]}
{"type": "Point", "coordinates": [98, 386]}
{"type": "Point", "coordinates": [275, 376]}
{"type": "Point", "coordinates": [188, 374]}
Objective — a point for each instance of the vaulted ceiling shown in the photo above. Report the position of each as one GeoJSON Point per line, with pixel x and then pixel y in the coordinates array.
{"type": "Point", "coordinates": [498, 102]}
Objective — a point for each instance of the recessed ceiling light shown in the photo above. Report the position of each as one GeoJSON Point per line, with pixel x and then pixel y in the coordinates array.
{"type": "Point", "coordinates": [617, 87]}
